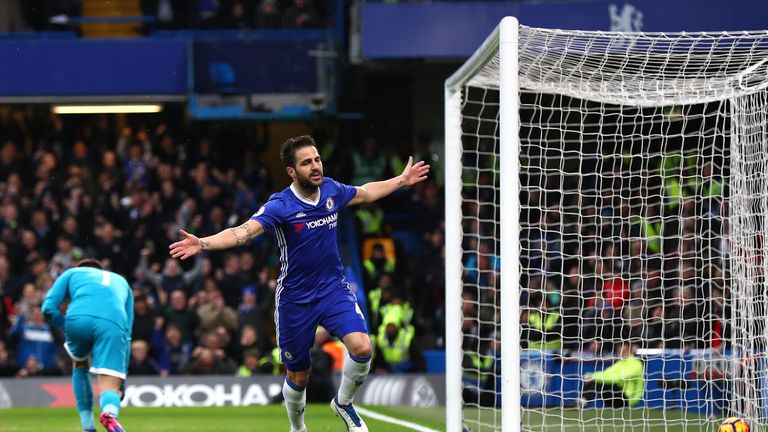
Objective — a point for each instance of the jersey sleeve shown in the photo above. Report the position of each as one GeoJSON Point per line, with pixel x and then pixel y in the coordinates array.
{"type": "Point", "coordinates": [346, 192]}
{"type": "Point", "coordinates": [271, 214]}
{"type": "Point", "coordinates": [53, 300]}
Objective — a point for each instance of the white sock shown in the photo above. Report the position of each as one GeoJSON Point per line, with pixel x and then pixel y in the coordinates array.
{"type": "Point", "coordinates": [355, 371]}
{"type": "Point", "coordinates": [295, 401]}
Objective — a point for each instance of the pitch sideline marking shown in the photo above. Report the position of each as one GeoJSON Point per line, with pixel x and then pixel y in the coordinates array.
{"type": "Point", "coordinates": [388, 419]}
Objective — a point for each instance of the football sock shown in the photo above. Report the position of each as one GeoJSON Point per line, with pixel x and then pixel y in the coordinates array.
{"type": "Point", "coordinates": [110, 403]}
{"type": "Point", "coordinates": [81, 384]}
{"type": "Point", "coordinates": [355, 371]}
{"type": "Point", "coordinates": [295, 402]}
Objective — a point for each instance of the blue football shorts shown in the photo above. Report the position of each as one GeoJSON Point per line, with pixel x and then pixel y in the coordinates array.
{"type": "Point", "coordinates": [108, 343]}
{"type": "Point", "coordinates": [296, 325]}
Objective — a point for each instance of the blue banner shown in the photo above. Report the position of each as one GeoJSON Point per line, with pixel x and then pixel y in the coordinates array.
{"type": "Point", "coordinates": [691, 381]}
{"type": "Point", "coordinates": [85, 67]}
{"type": "Point", "coordinates": [456, 29]}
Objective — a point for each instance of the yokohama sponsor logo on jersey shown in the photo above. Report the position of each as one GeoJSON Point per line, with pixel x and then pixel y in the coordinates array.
{"type": "Point", "coordinates": [328, 220]}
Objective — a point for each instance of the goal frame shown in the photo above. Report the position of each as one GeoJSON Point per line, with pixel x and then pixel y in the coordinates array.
{"type": "Point", "coordinates": [504, 40]}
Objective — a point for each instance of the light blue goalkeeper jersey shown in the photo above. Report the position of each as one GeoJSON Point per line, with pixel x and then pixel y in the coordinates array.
{"type": "Point", "coordinates": [91, 292]}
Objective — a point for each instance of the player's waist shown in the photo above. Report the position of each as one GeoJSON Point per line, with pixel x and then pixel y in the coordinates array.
{"type": "Point", "coordinates": [304, 294]}
{"type": "Point", "coordinates": [104, 317]}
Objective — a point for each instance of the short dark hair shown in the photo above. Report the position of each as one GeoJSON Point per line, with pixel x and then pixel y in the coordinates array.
{"type": "Point", "coordinates": [291, 145]}
{"type": "Point", "coordinates": [91, 262]}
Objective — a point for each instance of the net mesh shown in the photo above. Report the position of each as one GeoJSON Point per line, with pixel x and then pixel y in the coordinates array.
{"type": "Point", "coordinates": [643, 213]}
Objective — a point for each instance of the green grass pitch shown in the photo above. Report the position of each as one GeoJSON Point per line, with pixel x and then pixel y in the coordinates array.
{"type": "Point", "coordinates": [320, 419]}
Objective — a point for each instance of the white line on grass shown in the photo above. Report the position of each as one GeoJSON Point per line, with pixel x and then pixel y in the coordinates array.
{"type": "Point", "coordinates": [388, 419]}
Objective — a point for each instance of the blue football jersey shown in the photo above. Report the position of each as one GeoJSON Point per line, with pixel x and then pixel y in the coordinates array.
{"type": "Point", "coordinates": [305, 231]}
{"type": "Point", "coordinates": [91, 292]}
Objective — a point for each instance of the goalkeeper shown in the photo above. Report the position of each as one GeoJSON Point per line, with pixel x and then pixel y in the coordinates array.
{"type": "Point", "coordinates": [619, 385]}
{"type": "Point", "coordinates": [98, 323]}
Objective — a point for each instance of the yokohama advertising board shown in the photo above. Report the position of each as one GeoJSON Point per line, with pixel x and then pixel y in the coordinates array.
{"type": "Point", "coordinates": [196, 391]}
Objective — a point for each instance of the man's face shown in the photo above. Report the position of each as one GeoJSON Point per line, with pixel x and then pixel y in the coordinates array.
{"type": "Point", "coordinates": [309, 168]}
{"type": "Point", "coordinates": [178, 300]}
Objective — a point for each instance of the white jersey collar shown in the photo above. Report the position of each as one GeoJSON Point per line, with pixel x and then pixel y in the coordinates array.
{"type": "Point", "coordinates": [304, 199]}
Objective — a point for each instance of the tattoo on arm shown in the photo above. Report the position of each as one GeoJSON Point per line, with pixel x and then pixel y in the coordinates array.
{"type": "Point", "coordinates": [400, 182]}
{"type": "Point", "coordinates": [242, 234]}
{"type": "Point", "coordinates": [205, 244]}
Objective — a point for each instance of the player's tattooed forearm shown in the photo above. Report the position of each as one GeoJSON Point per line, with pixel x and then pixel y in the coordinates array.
{"type": "Point", "coordinates": [205, 244]}
{"type": "Point", "coordinates": [242, 234]}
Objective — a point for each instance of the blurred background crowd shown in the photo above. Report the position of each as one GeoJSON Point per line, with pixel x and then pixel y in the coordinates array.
{"type": "Point", "coordinates": [120, 191]}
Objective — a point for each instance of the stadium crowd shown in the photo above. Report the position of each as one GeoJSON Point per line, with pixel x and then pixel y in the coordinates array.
{"type": "Point", "coordinates": [640, 258]}
{"type": "Point", "coordinates": [121, 194]}
{"type": "Point", "coordinates": [616, 249]}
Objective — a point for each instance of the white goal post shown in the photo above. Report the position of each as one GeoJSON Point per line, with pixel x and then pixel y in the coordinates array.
{"type": "Point", "coordinates": [607, 205]}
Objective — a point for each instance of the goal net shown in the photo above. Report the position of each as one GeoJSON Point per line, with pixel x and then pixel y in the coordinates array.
{"type": "Point", "coordinates": [607, 212]}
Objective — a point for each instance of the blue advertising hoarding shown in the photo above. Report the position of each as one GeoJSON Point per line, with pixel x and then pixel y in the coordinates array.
{"type": "Point", "coordinates": [92, 67]}
{"type": "Point", "coordinates": [692, 381]}
{"type": "Point", "coordinates": [456, 29]}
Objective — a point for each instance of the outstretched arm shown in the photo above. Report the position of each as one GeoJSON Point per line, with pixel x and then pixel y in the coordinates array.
{"type": "Point", "coordinates": [191, 245]}
{"type": "Point", "coordinates": [374, 191]}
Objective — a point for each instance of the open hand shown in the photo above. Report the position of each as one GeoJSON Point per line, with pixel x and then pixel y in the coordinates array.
{"type": "Point", "coordinates": [413, 174]}
{"type": "Point", "coordinates": [188, 246]}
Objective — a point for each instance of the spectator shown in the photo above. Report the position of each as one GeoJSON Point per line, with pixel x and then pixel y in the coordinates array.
{"type": "Point", "coordinates": [177, 313]}
{"type": "Point", "coordinates": [369, 164]}
{"type": "Point", "coordinates": [681, 322]}
{"type": "Point", "coordinates": [252, 365]}
{"type": "Point", "coordinates": [376, 265]}
{"type": "Point", "coordinates": [34, 340]}
{"type": "Point", "coordinates": [108, 247]}
{"type": "Point", "coordinates": [66, 251]}
{"type": "Point", "coordinates": [10, 159]}
{"type": "Point", "coordinates": [251, 315]}
{"type": "Point", "coordinates": [135, 169]}
{"type": "Point", "coordinates": [143, 319]}
{"type": "Point", "coordinates": [173, 277]}
{"type": "Point", "coordinates": [370, 218]}
{"type": "Point", "coordinates": [173, 352]}
{"type": "Point", "coordinates": [141, 363]}
{"type": "Point", "coordinates": [544, 327]}
{"type": "Point", "coordinates": [249, 340]}
{"type": "Point", "coordinates": [211, 358]}
{"type": "Point", "coordinates": [30, 298]}
{"type": "Point", "coordinates": [396, 351]}
{"type": "Point", "coordinates": [379, 296]}
{"type": "Point", "coordinates": [205, 363]}
{"type": "Point", "coordinates": [229, 281]}
{"type": "Point", "coordinates": [32, 368]}
{"type": "Point", "coordinates": [215, 315]}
